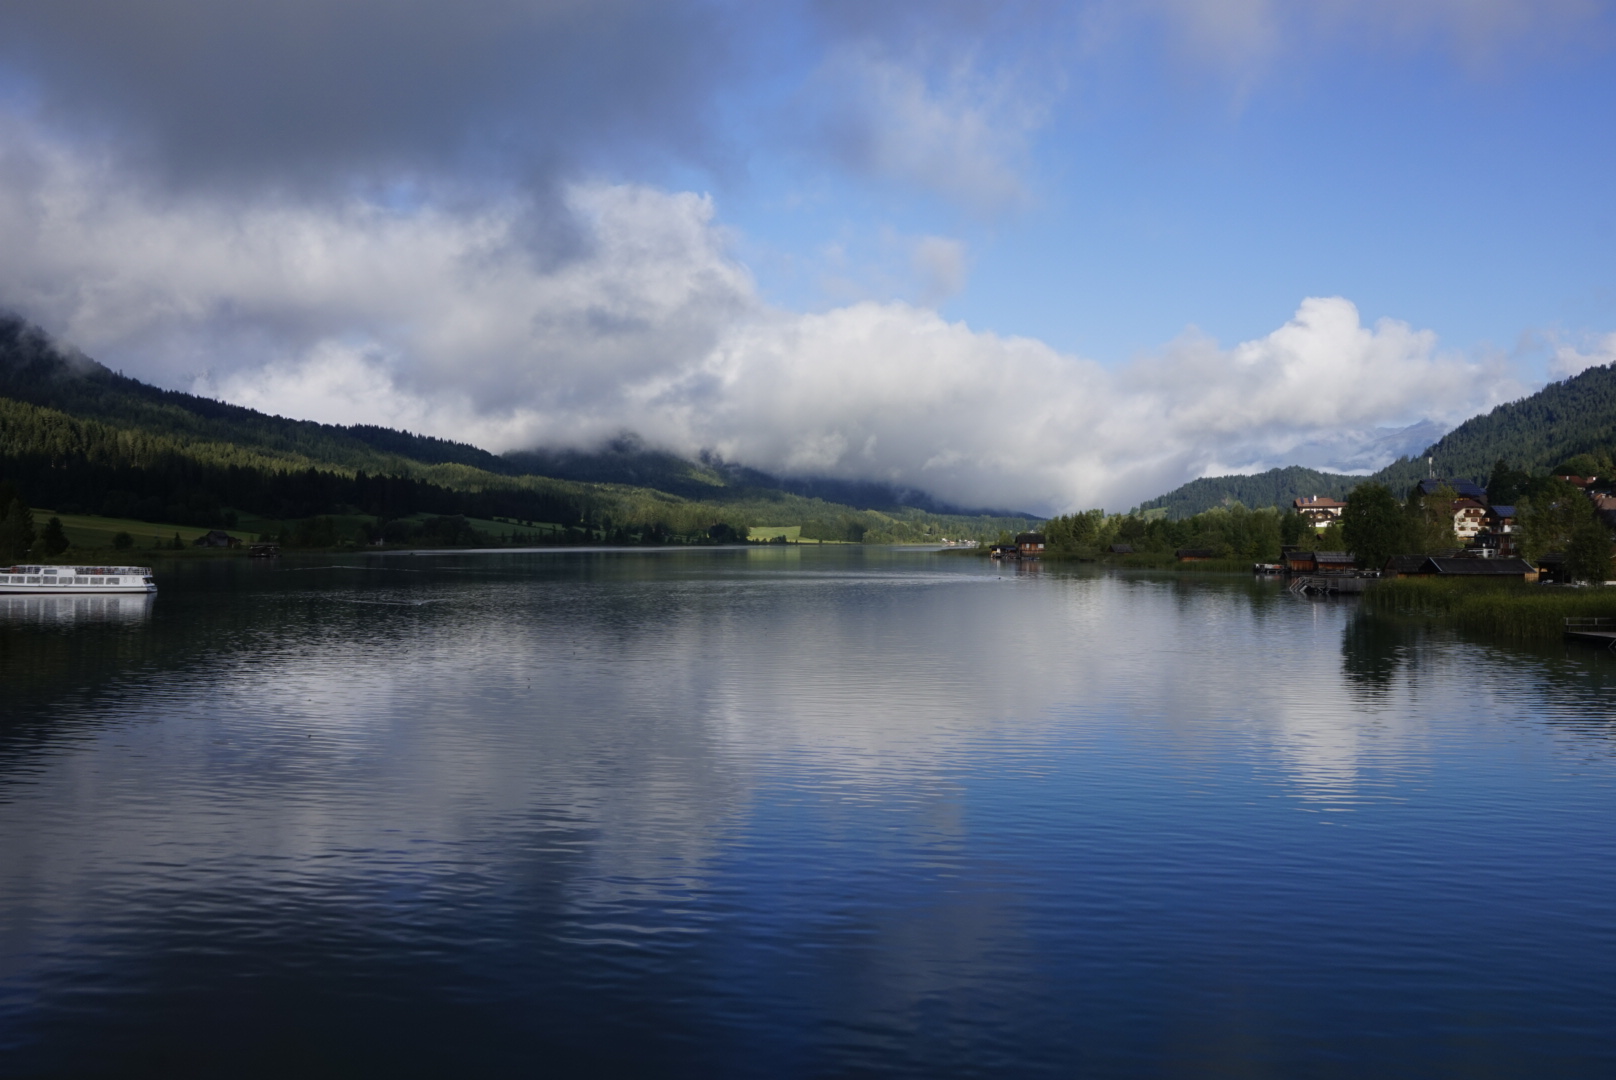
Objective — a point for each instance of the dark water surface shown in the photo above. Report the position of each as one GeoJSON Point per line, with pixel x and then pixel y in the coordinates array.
{"type": "Point", "coordinates": [792, 813]}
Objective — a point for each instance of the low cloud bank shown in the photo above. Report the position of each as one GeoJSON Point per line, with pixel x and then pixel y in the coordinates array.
{"type": "Point", "coordinates": [457, 321]}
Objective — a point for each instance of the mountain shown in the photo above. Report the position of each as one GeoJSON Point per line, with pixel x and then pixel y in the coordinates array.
{"type": "Point", "coordinates": [1535, 434]}
{"type": "Point", "coordinates": [627, 460]}
{"type": "Point", "coordinates": [77, 436]}
{"type": "Point", "coordinates": [1276, 487]}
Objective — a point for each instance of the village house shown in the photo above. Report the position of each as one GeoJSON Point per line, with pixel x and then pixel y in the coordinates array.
{"type": "Point", "coordinates": [217, 538]}
{"type": "Point", "coordinates": [1468, 518]}
{"type": "Point", "coordinates": [1030, 545]}
{"type": "Point", "coordinates": [1318, 510]}
{"type": "Point", "coordinates": [1500, 535]}
{"type": "Point", "coordinates": [1464, 489]}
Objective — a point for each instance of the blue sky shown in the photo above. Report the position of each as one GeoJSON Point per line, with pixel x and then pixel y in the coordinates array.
{"type": "Point", "coordinates": [1156, 239]}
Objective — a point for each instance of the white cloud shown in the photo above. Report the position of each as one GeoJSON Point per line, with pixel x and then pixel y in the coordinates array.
{"type": "Point", "coordinates": [445, 320]}
{"type": "Point", "coordinates": [1570, 360]}
{"type": "Point", "coordinates": [950, 128]}
{"type": "Point", "coordinates": [940, 265]}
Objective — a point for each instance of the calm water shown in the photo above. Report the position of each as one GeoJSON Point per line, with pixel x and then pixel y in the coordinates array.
{"type": "Point", "coordinates": [792, 813]}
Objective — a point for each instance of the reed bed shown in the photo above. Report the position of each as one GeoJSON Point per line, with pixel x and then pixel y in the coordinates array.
{"type": "Point", "coordinates": [1512, 610]}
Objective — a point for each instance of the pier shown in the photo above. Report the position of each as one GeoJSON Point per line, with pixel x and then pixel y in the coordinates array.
{"type": "Point", "coordinates": [1597, 631]}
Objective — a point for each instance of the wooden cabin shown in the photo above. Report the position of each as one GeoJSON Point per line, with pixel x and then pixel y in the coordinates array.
{"type": "Point", "coordinates": [1498, 569]}
{"type": "Point", "coordinates": [1030, 545]}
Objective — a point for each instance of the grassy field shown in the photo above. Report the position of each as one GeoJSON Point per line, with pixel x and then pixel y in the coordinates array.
{"type": "Point", "coordinates": [1504, 609]}
{"type": "Point", "coordinates": [792, 533]}
{"type": "Point", "coordinates": [91, 533]}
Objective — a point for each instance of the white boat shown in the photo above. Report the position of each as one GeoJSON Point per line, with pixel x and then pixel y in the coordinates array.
{"type": "Point", "coordinates": [76, 579]}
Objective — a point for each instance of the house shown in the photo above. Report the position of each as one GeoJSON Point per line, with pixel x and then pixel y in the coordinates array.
{"type": "Point", "coordinates": [1319, 510]}
{"type": "Point", "coordinates": [1462, 488]}
{"type": "Point", "coordinates": [1441, 566]}
{"type": "Point", "coordinates": [1468, 518]}
{"type": "Point", "coordinates": [1030, 545]}
{"type": "Point", "coordinates": [1499, 534]}
{"type": "Point", "coordinates": [1195, 554]}
{"type": "Point", "coordinates": [1003, 551]}
{"type": "Point", "coordinates": [217, 538]}
{"type": "Point", "coordinates": [1605, 507]}
{"type": "Point", "coordinates": [1122, 549]}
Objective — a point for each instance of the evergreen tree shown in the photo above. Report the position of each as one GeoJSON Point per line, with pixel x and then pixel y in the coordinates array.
{"type": "Point", "coordinates": [54, 537]}
{"type": "Point", "coordinates": [16, 531]}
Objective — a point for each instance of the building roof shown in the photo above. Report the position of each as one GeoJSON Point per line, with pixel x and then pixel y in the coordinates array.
{"type": "Point", "coordinates": [1503, 511]}
{"type": "Point", "coordinates": [1030, 538]}
{"type": "Point", "coordinates": [1404, 564]}
{"type": "Point", "coordinates": [1463, 488]}
{"type": "Point", "coordinates": [1317, 502]}
{"type": "Point", "coordinates": [1122, 549]}
{"type": "Point", "coordinates": [1338, 558]}
{"type": "Point", "coordinates": [1467, 504]}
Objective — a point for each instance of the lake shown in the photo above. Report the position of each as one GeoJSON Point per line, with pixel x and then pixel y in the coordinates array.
{"type": "Point", "coordinates": [792, 812]}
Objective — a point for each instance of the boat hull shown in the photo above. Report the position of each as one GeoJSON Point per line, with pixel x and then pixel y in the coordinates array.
{"type": "Point", "coordinates": [75, 580]}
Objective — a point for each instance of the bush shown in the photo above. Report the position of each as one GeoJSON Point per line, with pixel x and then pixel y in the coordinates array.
{"type": "Point", "coordinates": [122, 541]}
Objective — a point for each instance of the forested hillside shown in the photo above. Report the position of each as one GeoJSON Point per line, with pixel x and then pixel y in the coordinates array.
{"type": "Point", "coordinates": [1533, 435]}
{"type": "Point", "coordinates": [77, 437]}
{"type": "Point", "coordinates": [1276, 487]}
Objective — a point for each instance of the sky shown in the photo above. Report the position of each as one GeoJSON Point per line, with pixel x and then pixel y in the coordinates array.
{"type": "Point", "coordinates": [1036, 255]}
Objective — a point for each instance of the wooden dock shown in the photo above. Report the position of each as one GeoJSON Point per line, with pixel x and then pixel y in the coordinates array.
{"type": "Point", "coordinates": [1600, 631]}
{"type": "Point", "coordinates": [1325, 584]}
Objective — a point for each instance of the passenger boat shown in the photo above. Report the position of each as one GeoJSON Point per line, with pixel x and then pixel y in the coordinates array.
{"type": "Point", "coordinates": [76, 579]}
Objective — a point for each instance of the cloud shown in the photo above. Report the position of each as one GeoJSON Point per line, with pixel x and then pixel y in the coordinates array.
{"type": "Point", "coordinates": [1569, 360]}
{"type": "Point", "coordinates": [940, 265]}
{"type": "Point", "coordinates": [318, 93]}
{"type": "Point", "coordinates": [440, 318]}
{"type": "Point", "coordinates": [951, 128]}
{"type": "Point", "coordinates": [1244, 36]}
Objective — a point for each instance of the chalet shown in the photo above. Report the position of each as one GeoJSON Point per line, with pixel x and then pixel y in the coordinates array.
{"type": "Point", "coordinates": [1318, 510]}
{"type": "Point", "coordinates": [1030, 545]}
{"type": "Point", "coordinates": [1195, 554]}
{"type": "Point", "coordinates": [1440, 566]}
{"type": "Point", "coordinates": [1468, 518]}
{"type": "Point", "coordinates": [217, 538]}
{"type": "Point", "coordinates": [1499, 535]}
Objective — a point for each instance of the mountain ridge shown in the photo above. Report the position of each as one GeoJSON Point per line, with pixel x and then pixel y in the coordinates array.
{"type": "Point", "coordinates": [1535, 433]}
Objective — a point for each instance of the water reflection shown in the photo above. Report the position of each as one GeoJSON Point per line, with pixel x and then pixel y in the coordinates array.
{"type": "Point", "coordinates": [824, 811]}
{"type": "Point", "coordinates": [74, 610]}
